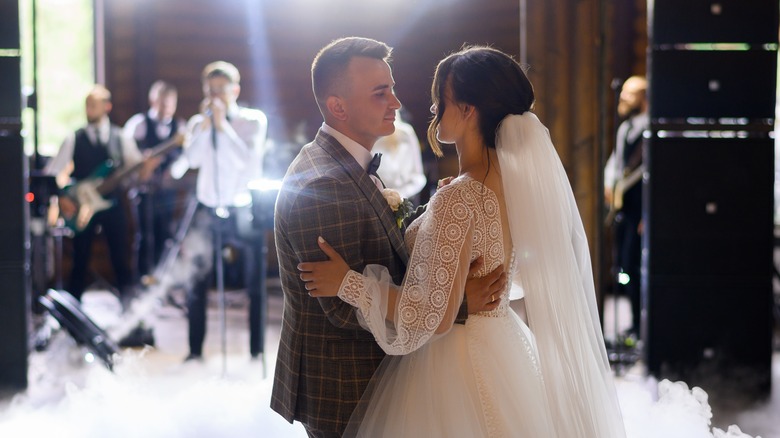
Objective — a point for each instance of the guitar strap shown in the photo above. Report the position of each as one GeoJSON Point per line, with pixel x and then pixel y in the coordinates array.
{"type": "Point", "coordinates": [634, 160]}
{"type": "Point", "coordinates": [633, 143]}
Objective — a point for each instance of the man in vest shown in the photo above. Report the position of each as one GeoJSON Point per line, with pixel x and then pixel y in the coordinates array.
{"type": "Point", "coordinates": [158, 200]}
{"type": "Point", "coordinates": [624, 163]}
{"type": "Point", "coordinates": [97, 148]}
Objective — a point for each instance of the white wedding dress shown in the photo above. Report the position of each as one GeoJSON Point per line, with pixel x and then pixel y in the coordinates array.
{"type": "Point", "coordinates": [491, 377]}
{"type": "Point", "coordinates": [481, 379]}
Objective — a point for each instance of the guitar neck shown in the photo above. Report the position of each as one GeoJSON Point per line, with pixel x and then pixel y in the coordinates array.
{"type": "Point", "coordinates": [634, 177]}
{"type": "Point", "coordinates": [111, 182]}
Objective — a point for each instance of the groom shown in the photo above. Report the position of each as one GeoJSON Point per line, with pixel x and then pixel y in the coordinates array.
{"type": "Point", "coordinates": [325, 358]}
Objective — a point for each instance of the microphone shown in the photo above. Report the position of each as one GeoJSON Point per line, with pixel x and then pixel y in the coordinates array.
{"type": "Point", "coordinates": [210, 114]}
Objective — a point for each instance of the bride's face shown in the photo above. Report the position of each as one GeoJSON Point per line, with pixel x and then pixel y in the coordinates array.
{"type": "Point", "coordinates": [449, 127]}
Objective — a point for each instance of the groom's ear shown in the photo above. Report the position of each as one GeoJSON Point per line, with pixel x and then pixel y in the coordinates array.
{"type": "Point", "coordinates": [336, 107]}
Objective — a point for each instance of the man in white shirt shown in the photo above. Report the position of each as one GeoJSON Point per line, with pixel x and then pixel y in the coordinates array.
{"type": "Point", "coordinates": [402, 167]}
{"type": "Point", "coordinates": [225, 142]}
{"type": "Point", "coordinates": [95, 151]}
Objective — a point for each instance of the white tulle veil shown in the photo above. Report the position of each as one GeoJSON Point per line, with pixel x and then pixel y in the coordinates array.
{"type": "Point", "coordinates": [554, 271]}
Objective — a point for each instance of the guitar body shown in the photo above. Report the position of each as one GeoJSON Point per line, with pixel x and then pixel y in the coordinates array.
{"type": "Point", "coordinates": [87, 197]}
{"type": "Point", "coordinates": [89, 194]}
{"type": "Point", "coordinates": [621, 187]}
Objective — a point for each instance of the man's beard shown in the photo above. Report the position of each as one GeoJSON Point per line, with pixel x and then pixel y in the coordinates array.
{"type": "Point", "coordinates": [626, 110]}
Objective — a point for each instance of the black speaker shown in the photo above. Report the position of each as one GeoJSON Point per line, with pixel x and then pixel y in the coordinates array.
{"type": "Point", "coordinates": [10, 90]}
{"type": "Point", "coordinates": [712, 84]}
{"type": "Point", "coordinates": [14, 261]}
{"type": "Point", "coordinates": [9, 24]}
{"type": "Point", "coordinates": [711, 205]}
{"type": "Point", "coordinates": [711, 331]}
{"type": "Point", "coordinates": [707, 291]}
{"type": "Point", "coordinates": [713, 21]}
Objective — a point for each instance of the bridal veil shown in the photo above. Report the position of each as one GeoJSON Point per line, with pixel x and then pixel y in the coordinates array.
{"type": "Point", "coordinates": [554, 271]}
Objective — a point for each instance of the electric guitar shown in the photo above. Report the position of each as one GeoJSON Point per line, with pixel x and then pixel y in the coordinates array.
{"type": "Point", "coordinates": [621, 187]}
{"type": "Point", "coordinates": [89, 193]}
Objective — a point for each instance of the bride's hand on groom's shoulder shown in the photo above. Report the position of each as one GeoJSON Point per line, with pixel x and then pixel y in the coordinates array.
{"type": "Point", "coordinates": [323, 279]}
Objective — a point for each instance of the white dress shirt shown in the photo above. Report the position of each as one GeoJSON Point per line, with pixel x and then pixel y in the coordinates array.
{"type": "Point", "coordinates": [101, 130]}
{"type": "Point", "coordinates": [359, 153]}
{"type": "Point", "coordinates": [135, 127]}
{"type": "Point", "coordinates": [402, 168]}
{"type": "Point", "coordinates": [223, 177]}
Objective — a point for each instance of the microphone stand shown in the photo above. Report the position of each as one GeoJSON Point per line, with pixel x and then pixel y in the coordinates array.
{"type": "Point", "coordinates": [220, 213]}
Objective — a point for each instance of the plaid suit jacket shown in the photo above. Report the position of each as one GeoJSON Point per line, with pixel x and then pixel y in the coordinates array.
{"type": "Point", "coordinates": [325, 358]}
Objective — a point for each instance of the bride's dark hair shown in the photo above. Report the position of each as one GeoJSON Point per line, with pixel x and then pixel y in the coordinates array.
{"type": "Point", "coordinates": [486, 78]}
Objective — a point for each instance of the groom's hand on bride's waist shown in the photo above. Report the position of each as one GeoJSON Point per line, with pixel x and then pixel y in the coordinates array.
{"type": "Point", "coordinates": [484, 293]}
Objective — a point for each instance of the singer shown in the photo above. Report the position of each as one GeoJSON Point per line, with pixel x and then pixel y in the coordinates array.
{"type": "Point", "coordinates": [225, 143]}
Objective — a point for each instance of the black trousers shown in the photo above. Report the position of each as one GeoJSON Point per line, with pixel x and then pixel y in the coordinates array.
{"type": "Point", "coordinates": [156, 211]}
{"type": "Point", "coordinates": [208, 224]}
{"type": "Point", "coordinates": [628, 259]}
{"type": "Point", "coordinates": [114, 225]}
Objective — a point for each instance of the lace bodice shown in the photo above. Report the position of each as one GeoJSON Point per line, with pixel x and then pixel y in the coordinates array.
{"type": "Point", "coordinates": [462, 222]}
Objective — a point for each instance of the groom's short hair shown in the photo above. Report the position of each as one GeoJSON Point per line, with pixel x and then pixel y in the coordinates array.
{"type": "Point", "coordinates": [332, 61]}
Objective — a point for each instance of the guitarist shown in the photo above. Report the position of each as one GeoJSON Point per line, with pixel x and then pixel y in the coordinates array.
{"type": "Point", "coordinates": [623, 164]}
{"type": "Point", "coordinates": [80, 155]}
{"type": "Point", "coordinates": [158, 199]}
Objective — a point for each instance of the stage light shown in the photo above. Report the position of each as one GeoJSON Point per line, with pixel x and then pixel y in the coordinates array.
{"type": "Point", "coordinates": [263, 184]}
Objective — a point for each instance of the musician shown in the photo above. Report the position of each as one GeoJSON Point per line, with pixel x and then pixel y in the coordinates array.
{"type": "Point", "coordinates": [84, 153]}
{"type": "Point", "coordinates": [158, 200]}
{"type": "Point", "coordinates": [622, 163]}
{"type": "Point", "coordinates": [225, 142]}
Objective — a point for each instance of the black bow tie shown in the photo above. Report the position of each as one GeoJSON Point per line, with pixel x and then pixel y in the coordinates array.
{"type": "Point", "coordinates": [373, 165]}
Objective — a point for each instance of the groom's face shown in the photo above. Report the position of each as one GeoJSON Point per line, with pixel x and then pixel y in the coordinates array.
{"type": "Point", "coordinates": [369, 100]}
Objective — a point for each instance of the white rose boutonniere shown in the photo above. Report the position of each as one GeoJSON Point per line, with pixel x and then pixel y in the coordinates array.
{"type": "Point", "coordinates": [401, 207]}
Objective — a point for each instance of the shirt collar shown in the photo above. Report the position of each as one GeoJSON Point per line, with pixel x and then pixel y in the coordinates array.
{"type": "Point", "coordinates": [101, 129]}
{"type": "Point", "coordinates": [155, 115]}
{"type": "Point", "coordinates": [358, 152]}
{"type": "Point", "coordinates": [233, 112]}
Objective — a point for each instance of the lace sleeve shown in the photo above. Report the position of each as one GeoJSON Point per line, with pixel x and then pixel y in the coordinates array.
{"type": "Point", "coordinates": [432, 289]}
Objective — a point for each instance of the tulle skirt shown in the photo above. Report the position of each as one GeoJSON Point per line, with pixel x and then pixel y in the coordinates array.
{"type": "Point", "coordinates": [480, 380]}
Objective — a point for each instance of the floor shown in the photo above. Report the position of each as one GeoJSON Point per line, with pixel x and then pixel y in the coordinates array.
{"type": "Point", "coordinates": [152, 392]}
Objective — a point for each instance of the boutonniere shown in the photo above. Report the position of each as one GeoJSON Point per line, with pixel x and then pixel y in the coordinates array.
{"type": "Point", "coordinates": [402, 207]}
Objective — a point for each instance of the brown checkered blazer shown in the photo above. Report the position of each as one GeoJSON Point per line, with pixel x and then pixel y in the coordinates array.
{"type": "Point", "coordinates": [325, 358]}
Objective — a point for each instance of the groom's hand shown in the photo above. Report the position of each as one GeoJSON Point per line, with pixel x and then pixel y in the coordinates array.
{"type": "Point", "coordinates": [484, 293]}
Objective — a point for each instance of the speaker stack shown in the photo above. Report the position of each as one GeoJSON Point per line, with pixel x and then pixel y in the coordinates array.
{"type": "Point", "coordinates": [14, 233]}
{"type": "Point", "coordinates": [708, 243]}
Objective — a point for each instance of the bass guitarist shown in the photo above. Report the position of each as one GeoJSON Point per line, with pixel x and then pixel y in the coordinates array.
{"type": "Point", "coordinates": [81, 155]}
{"type": "Point", "coordinates": [623, 192]}
{"type": "Point", "coordinates": [158, 201]}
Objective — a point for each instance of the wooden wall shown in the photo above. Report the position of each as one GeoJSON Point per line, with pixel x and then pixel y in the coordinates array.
{"type": "Point", "coordinates": [575, 48]}
{"type": "Point", "coordinates": [273, 43]}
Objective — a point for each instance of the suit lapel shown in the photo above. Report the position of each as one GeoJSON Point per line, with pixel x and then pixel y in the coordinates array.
{"type": "Point", "coordinates": [369, 189]}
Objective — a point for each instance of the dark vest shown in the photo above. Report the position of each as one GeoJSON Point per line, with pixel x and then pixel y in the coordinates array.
{"type": "Point", "coordinates": [152, 139]}
{"type": "Point", "coordinates": [88, 156]}
{"type": "Point", "coordinates": [632, 158]}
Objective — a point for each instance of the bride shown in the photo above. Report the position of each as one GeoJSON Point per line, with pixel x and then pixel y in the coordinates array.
{"type": "Point", "coordinates": [511, 203]}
